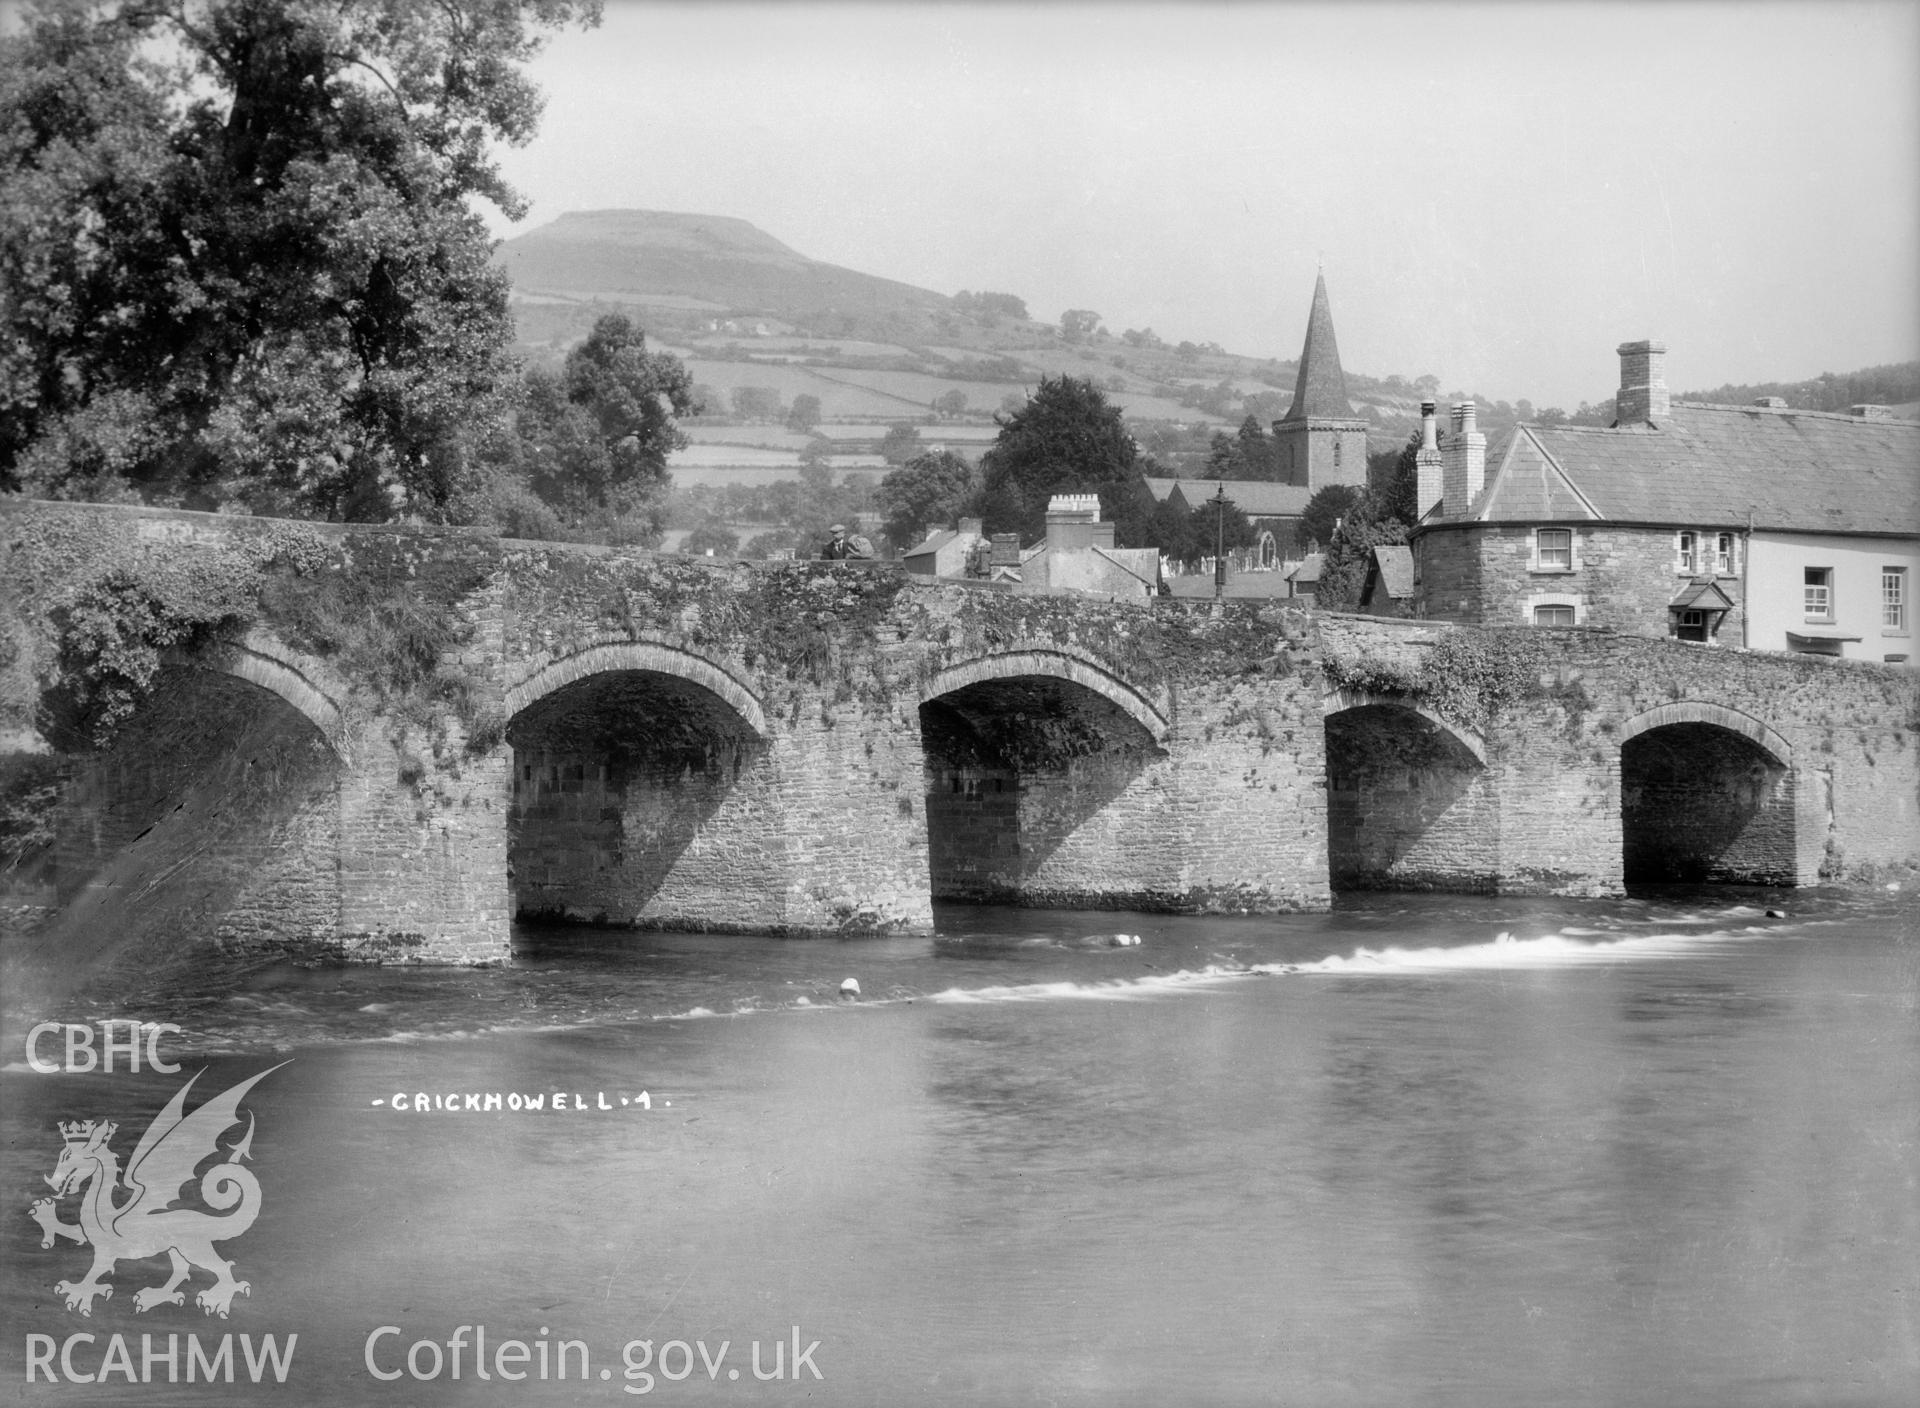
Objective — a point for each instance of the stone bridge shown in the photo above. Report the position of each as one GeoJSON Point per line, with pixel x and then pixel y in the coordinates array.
{"type": "Point", "coordinates": [389, 743]}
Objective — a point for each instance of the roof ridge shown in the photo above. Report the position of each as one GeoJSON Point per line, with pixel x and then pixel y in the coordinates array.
{"type": "Point", "coordinates": [1846, 416]}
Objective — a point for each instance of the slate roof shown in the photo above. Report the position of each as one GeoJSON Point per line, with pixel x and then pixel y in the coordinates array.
{"type": "Point", "coordinates": [1320, 390]}
{"type": "Point", "coordinates": [935, 540]}
{"type": "Point", "coordinates": [1794, 471]}
{"type": "Point", "coordinates": [1159, 487]}
{"type": "Point", "coordinates": [1394, 564]}
{"type": "Point", "coordinates": [1701, 594]}
{"type": "Point", "coordinates": [1256, 498]}
{"type": "Point", "coordinates": [1309, 570]}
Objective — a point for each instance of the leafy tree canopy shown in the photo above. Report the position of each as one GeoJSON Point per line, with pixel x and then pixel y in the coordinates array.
{"type": "Point", "coordinates": [1317, 520]}
{"type": "Point", "coordinates": [1065, 439]}
{"type": "Point", "coordinates": [591, 443]}
{"type": "Point", "coordinates": [1381, 516]}
{"type": "Point", "coordinates": [240, 263]}
{"type": "Point", "coordinates": [927, 492]}
{"type": "Point", "coordinates": [900, 444]}
{"type": "Point", "coordinates": [804, 414]}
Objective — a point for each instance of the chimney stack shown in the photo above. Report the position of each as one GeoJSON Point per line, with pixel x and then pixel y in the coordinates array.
{"type": "Point", "coordinates": [1073, 523]}
{"type": "Point", "coordinates": [1642, 398]}
{"type": "Point", "coordinates": [1427, 473]}
{"type": "Point", "coordinates": [1463, 462]}
{"type": "Point", "coordinates": [1871, 413]}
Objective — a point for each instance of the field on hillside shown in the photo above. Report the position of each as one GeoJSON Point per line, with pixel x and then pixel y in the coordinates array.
{"type": "Point", "coordinates": [719, 476]}
{"type": "Point", "coordinates": [839, 399]}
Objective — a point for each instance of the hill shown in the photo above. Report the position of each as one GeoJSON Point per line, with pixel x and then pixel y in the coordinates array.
{"type": "Point", "coordinates": [711, 264]}
{"type": "Point", "coordinates": [762, 326]}
{"type": "Point", "coordinates": [1895, 385]}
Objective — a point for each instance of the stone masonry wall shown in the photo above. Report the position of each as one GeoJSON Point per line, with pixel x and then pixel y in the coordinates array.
{"type": "Point", "coordinates": [1407, 807]}
{"type": "Point", "coordinates": [377, 815]}
{"type": "Point", "coordinates": [1623, 577]}
{"type": "Point", "coordinates": [213, 819]}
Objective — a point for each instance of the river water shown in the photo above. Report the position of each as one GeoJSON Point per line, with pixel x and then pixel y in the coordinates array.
{"type": "Point", "coordinates": [1417, 1151]}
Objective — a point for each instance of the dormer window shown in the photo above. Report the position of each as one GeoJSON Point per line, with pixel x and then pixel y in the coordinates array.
{"type": "Point", "coordinates": [1689, 551]}
{"type": "Point", "coordinates": [1553, 550]}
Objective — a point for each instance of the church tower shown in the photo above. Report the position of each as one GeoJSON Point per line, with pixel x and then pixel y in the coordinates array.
{"type": "Point", "coordinates": [1320, 440]}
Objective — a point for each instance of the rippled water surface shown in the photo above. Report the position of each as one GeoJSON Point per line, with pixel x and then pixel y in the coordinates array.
{"type": "Point", "coordinates": [1448, 1151]}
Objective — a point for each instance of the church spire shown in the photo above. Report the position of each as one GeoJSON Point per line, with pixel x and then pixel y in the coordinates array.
{"type": "Point", "coordinates": [1321, 390]}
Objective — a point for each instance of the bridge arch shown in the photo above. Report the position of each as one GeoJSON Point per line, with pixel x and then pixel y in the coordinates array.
{"type": "Point", "coordinates": [1409, 802]}
{"type": "Point", "coordinates": [1044, 776]}
{"type": "Point", "coordinates": [1706, 795]}
{"type": "Point", "coordinates": [1051, 664]}
{"type": "Point", "coordinates": [1337, 701]}
{"type": "Point", "coordinates": [642, 783]}
{"type": "Point", "coordinates": [645, 657]}
{"type": "Point", "coordinates": [262, 661]}
{"type": "Point", "coordinates": [1692, 711]}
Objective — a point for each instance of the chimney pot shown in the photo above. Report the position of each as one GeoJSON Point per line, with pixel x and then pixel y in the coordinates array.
{"type": "Point", "coordinates": [1463, 470]}
{"type": "Point", "coordinates": [1428, 478]}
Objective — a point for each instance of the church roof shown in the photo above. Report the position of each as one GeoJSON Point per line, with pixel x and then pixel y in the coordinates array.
{"type": "Point", "coordinates": [1791, 470]}
{"type": "Point", "coordinates": [1320, 391]}
{"type": "Point", "coordinates": [1256, 498]}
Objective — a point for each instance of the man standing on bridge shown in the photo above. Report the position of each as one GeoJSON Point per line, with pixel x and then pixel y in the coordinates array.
{"type": "Point", "coordinates": [843, 548]}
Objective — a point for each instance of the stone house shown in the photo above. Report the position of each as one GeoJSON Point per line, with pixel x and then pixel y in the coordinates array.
{"type": "Point", "coordinates": [1078, 555]}
{"type": "Point", "coordinates": [945, 552]}
{"type": "Point", "coordinates": [1388, 588]}
{"type": "Point", "coordinates": [1755, 526]}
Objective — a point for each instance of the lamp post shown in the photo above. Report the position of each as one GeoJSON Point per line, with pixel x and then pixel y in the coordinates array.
{"type": "Point", "coordinates": [1220, 502]}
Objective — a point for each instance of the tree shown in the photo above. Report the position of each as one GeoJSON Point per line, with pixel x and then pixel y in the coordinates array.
{"type": "Point", "coordinates": [1078, 324]}
{"type": "Point", "coordinates": [776, 542]}
{"type": "Point", "coordinates": [1065, 439]}
{"type": "Point", "coordinates": [988, 308]}
{"type": "Point", "coordinates": [1323, 511]}
{"type": "Point", "coordinates": [804, 414]}
{"type": "Point", "coordinates": [1379, 517]}
{"type": "Point", "coordinates": [757, 403]}
{"type": "Point", "coordinates": [591, 442]}
{"type": "Point", "coordinates": [1343, 575]}
{"type": "Point", "coordinates": [928, 490]}
{"type": "Point", "coordinates": [951, 403]}
{"type": "Point", "coordinates": [900, 444]}
{"type": "Point", "coordinates": [252, 276]}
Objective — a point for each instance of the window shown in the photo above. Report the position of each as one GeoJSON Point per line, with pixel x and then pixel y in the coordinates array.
{"type": "Point", "coordinates": [1688, 553]}
{"type": "Point", "coordinates": [1554, 550]}
{"type": "Point", "coordinates": [1553, 615]}
{"type": "Point", "coordinates": [1692, 625]}
{"type": "Point", "coordinates": [1336, 454]}
{"type": "Point", "coordinates": [1819, 593]}
{"type": "Point", "coordinates": [1893, 600]}
{"type": "Point", "coordinates": [1723, 553]}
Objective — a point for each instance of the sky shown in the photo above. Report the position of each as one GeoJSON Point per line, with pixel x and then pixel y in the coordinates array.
{"type": "Point", "coordinates": [1498, 194]}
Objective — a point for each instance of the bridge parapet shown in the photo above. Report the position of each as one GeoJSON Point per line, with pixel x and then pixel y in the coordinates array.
{"type": "Point", "coordinates": [812, 747]}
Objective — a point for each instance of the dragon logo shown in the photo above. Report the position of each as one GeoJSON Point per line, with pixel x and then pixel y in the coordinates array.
{"type": "Point", "coordinates": [145, 1221]}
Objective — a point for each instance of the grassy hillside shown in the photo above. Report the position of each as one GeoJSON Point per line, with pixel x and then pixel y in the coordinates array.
{"type": "Point", "coordinates": [745, 312]}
